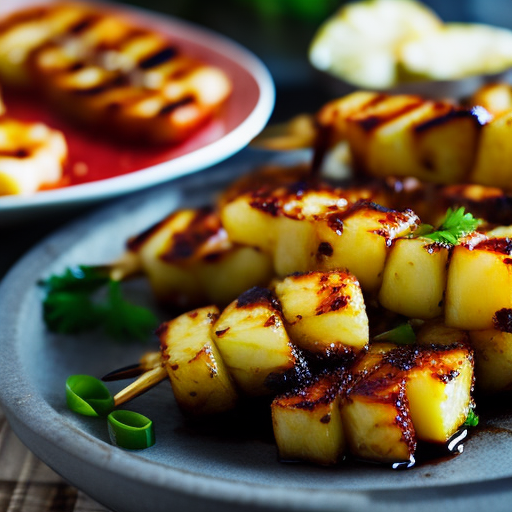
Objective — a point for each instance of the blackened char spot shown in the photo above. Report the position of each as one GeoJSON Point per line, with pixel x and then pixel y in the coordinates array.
{"type": "Point", "coordinates": [500, 245]}
{"type": "Point", "coordinates": [502, 320]}
{"type": "Point", "coordinates": [324, 249]}
{"type": "Point", "coordinates": [221, 333]}
{"type": "Point", "coordinates": [171, 107]}
{"type": "Point", "coordinates": [258, 295]}
{"type": "Point", "coordinates": [325, 419]}
{"type": "Point", "coordinates": [158, 58]}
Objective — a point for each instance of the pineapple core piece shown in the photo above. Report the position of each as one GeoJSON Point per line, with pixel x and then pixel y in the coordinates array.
{"type": "Point", "coordinates": [307, 422]}
{"type": "Point", "coordinates": [479, 286]}
{"type": "Point", "coordinates": [189, 260]}
{"type": "Point", "coordinates": [324, 312]}
{"type": "Point", "coordinates": [414, 278]}
{"type": "Point", "coordinates": [253, 342]}
{"type": "Point", "coordinates": [31, 155]}
{"type": "Point", "coordinates": [199, 378]}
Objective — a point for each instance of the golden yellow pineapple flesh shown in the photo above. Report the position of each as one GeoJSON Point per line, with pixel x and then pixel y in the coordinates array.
{"type": "Point", "coordinates": [189, 260]}
{"type": "Point", "coordinates": [479, 284]}
{"type": "Point", "coordinates": [324, 312]}
{"type": "Point", "coordinates": [307, 422]}
{"type": "Point", "coordinates": [253, 341]}
{"type": "Point", "coordinates": [359, 240]}
{"type": "Point", "coordinates": [414, 278]}
{"type": "Point", "coordinates": [199, 378]}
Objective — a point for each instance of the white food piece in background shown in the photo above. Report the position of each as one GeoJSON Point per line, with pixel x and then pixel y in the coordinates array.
{"type": "Point", "coordinates": [31, 155]}
{"type": "Point", "coordinates": [360, 43]}
{"type": "Point", "coordinates": [458, 51]}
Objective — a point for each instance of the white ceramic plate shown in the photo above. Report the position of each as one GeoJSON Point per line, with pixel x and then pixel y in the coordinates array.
{"type": "Point", "coordinates": [245, 115]}
{"type": "Point", "coordinates": [206, 467]}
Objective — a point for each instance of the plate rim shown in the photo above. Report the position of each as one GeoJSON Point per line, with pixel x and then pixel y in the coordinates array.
{"type": "Point", "coordinates": [19, 402]}
{"type": "Point", "coordinates": [204, 157]}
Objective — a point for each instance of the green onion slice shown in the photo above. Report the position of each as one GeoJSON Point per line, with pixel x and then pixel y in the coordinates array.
{"type": "Point", "coordinates": [88, 396]}
{"type": "Point", "coordinates": [130, 430]}
{"type": "Point", "coordinates": [401, 335]}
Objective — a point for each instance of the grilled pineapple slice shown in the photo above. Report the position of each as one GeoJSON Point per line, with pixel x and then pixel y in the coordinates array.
{"type": "Point", "coordinates": [324, 312]}
{"type": "Point", "coordinates": [436, 332]}
{"type": "Point", "coordinates": [199, 378]}
{"type": "Point", "coordinates": [31, 155]}
{"type": "Point", "coordinates": [189, 260]}
{"type": "Point", "coordinates": [493, 359]}
{"type": "Point", "coordinates": [307, 422]}
{"type": "Point", "coordinates": [25, 31]}
{"type": "Point", "coordinates": [131, 82]}
{"type": "Point", "coordinates": [253, 341]}
{"type": "Point", "coordinates": [359, 240]}
{"type": "Point", "coordinates": [414, 278]}
{"type": "Point", "coordinates": [479, 284]}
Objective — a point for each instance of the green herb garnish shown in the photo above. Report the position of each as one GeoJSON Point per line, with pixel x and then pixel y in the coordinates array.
{"type": "Point", "coordinates": [130, 430]}
{"type": "Point", "coordinates": [400, 335]}
{"type": "Point", "coordinates": [456, 225]}
{"type": "Point", "coordinates": [72, 305]}
{"type": "Point", "coordinates": [88, 396]}
{"type": "Point", "coordinates": [472, 419]}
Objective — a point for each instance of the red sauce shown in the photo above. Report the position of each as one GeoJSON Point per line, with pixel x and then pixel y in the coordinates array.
{"type": "Point", "coordinates": [94, 156]}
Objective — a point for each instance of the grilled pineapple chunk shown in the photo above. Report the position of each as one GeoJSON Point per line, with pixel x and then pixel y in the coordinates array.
{"type": "Point", "coordinates": [324, 311]}
{"type": "Point", "coordinates": [375, 412]}
{"type": "Point", "coordinates": [479, 284]}
{"type": "Point", "coordinates": [31, 155]}
{"type": "Point", "coordinates": [307, 422]}
{"type": "Point", "coordinates": [359, 240]}
{"type": "Point", "coordinates": [492, 161]}
{"type": "Point", "coordinates": [414, 278]}
{"type": "Point", "coordinates": [407, 136]}
{"type": "Point", "coordinates": [439, 391]}
{"type": "Point", "coordinates": [436, 332]}
{"type": "Point", "coordinates": [189, 260]}
{"type": "Point", "coordinates": [493, 359]}
{"type": "Point", "coordinates": [199, 378]}
{"type": "Point", "coordinates": [253, 342]}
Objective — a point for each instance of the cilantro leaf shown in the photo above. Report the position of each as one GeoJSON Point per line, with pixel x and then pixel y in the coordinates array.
{"type": "Point", "coordinates": [472, 420]}
{"type": "Point", "coordinates": [70, 312]}
{"type": "Point", "coordinates": [81, 278]}
{"type": "Point", "coordinates": [456, 225]}
{"type": "Point", "coordinates": [401, 335]}
{"type": "Point", "coordinates": [125, 320]}
{"type": "Point", "coordinates": [71, 305]}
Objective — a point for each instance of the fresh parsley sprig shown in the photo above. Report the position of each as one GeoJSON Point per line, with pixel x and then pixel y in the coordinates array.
{"type": "Point", "coordinates": [72, 305]}
{"type": "Point", "coordinates": [456, 225]}
{"type": "Point", "coordinates": [472, 420]}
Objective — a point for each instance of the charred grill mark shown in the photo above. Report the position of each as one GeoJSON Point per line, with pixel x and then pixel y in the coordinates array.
{"type": "Point", "coordinates": [447, 117]}
{"type": "Point", "coordinates": [499, 245]}
{"type": "Point", "coordinates": [204, 225]}
{"type": "Point", "coordinates": [371, 122]}
{"type": "Point", "coordinates": [258, 296]}
{"type": "Point", "coordinates": [325, 419]}
{"type": "Point", "coordinates": [175, 105]}
{"type": "Point", "coordinates": [158, 58]}
{"type": "Point", "coordinates": [446, 377]}
{"type": "Point", "coordinates": [221, 333]}
{"type": "Point", "coordinates": [271, 321]}
{"type": "Point", "coordinates": [83, 24]}
{"type": "Point", "coordinates": [502, 320]}
{"type": "Point", "coordinates": [112, 83]}
{"type": "Point", "coordinates": [15, 153]}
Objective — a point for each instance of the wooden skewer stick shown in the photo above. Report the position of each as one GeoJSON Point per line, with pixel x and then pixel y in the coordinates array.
{"type": "Point", "coordinates": [146, 381]}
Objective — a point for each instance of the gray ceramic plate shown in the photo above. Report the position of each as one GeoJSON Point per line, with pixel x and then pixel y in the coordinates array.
{"type": "Point", "coordinates": [201, 467]}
